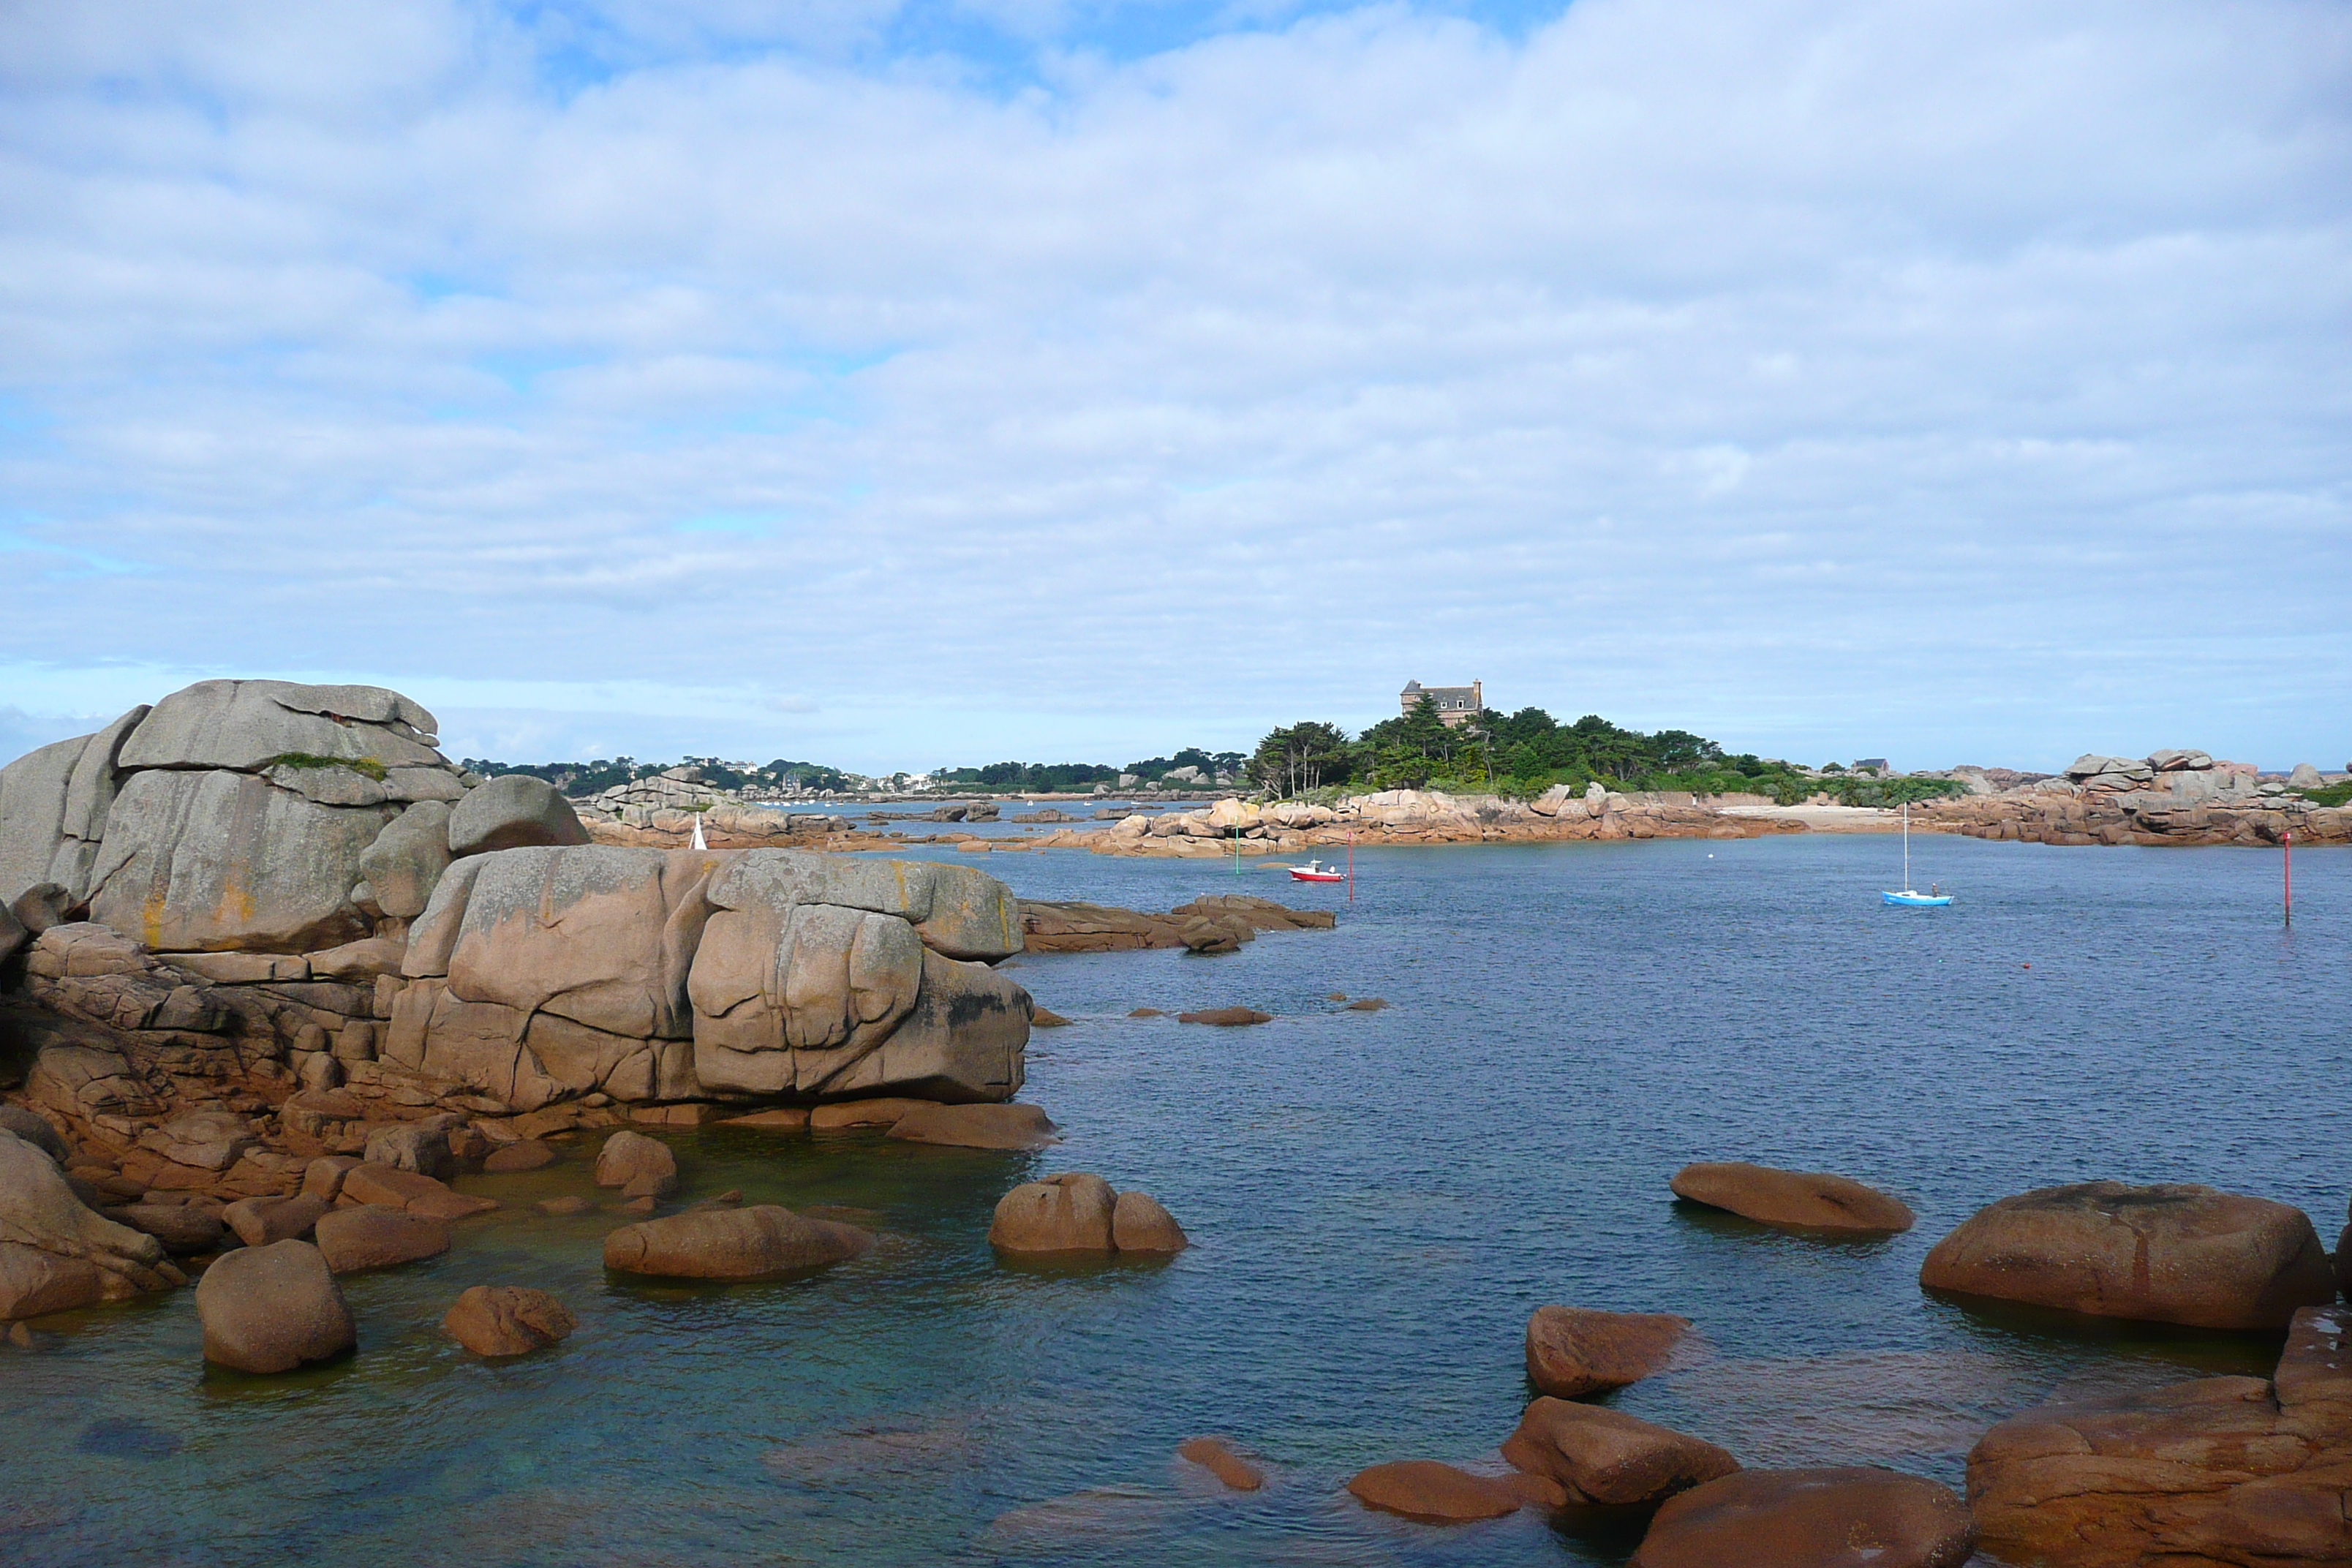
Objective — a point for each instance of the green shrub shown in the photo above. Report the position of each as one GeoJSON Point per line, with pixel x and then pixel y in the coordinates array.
{"type": "Point", "coordinates": [367, 765]}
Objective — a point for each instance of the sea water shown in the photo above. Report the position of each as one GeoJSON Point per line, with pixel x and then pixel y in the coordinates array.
{"type": "Point", "coordinates": [1377, 1201]}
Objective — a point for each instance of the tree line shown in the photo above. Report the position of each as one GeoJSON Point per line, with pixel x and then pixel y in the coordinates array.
{"type": "Point", "coordinates": [1526, 752]}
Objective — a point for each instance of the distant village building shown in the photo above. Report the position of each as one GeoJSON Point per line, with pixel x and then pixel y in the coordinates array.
{"type": "Point", "coordinates": [1455, 704]}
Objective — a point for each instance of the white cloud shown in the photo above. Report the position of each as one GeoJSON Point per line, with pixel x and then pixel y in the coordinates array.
{"type": "Point", "coordinates": [1927, 377]}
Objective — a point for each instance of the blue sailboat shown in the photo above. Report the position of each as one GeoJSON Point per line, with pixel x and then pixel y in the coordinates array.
{"type": "Point", "coordinates": [1910, 898]}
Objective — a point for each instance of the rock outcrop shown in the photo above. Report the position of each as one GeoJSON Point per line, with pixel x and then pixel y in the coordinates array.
{"type": "Point", "coordinates": [1219, 923]}
{"type": "Point", "coordinates": [2171, 797]}
{"type": "Point", "coordinates": [1077, 1212]}
{"type": "Point", "coordinates": [1575, 1351]}
{"type": "Point", "coordinates": [640, 1166]}
{"type": "Point", "coordinates": [1069, 1213]}
{"type": "Point", "coordinates": [1141, 1224]}
{"type": "Point", "coordinates": [1792, 1200]}
{"type": "Point", "coordinates": [56, 1253]}
{"type": "Point", "coordinates": [2177, 1253]}
{"type": "Point", "coordinates": [756, 1243]}
{"type": "Point", "coordinates": [2235, 1471]}
{"type": "Point", "coordinates": [1854, 1517]}
{"type": "Point", "coordinates": [263, 1222]}
{"type": "Point", "coordinates": [507, 1320]}
{"type": "Point", "coordinates": [541, 974]}
{"type": "Point", "coordinates": [373, 1236]}
{"type": "Point", "coordinates": [1608, 1458]}
{"type": "Point", "coordinates": [270, 1308]}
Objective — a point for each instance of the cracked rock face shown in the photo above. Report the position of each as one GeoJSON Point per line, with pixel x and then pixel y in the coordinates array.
{"type": "Point", "coordinates": [304, 848]}
{"type": "Point", "coordinates": [231, 815]}
{"type": "Point", "coordinates": [2232, 1470]}
{"type": "Point", "coordinates": [663, 974]}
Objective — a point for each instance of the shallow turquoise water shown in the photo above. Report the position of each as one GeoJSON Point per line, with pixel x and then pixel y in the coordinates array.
{"type": "Point", "coordinates": [1377, 1202]}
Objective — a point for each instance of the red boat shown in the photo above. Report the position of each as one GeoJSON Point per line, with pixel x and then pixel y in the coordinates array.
{"type": "Point", "coordinates": [1315, 871]}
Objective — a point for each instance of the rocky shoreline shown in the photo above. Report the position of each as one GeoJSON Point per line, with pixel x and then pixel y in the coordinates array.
{"type": "Point", "coordinates": [275, 980]}
{"type": "Point", "coordinates": [2107, 810]}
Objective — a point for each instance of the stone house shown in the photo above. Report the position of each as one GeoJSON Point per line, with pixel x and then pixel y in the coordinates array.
{"type": "Point", "coordinates": [1455, 704]}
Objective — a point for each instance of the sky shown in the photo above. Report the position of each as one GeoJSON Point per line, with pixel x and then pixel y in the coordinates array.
{"type": "Point", "coordinates": [904, 382]}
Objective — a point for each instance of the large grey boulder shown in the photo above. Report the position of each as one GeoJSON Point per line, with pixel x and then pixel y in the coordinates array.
{"type": "Point", "coordinates": [32, 813]}
{"type": "Point", "coordinates": [270, 1308]}
{"type": "Point", "coordinates": [247, 724]}
{"type": "Point", "coordinates": [404, 864]}
{"type": "Point", "coordinates": [2305, 777]}
{"type": "Point", "coordinates": [755, 1242]}
{"type": "Point", "coordinates": [2091, 765]}
{"type": "Point", "coordinates": [513, 811]}
{"type": "Point", "coordinates": [218, 860]}
{"type": "Point", "coordinates": [53, 810]}
{"type": "Point", "coordinates": [40, 907]}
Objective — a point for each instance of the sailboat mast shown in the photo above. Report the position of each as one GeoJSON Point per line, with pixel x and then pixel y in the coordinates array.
{"type": "Point", "coordinates": [1906, 846]}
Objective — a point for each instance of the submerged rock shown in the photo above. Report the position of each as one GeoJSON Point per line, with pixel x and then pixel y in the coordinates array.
{"type": "Point", "coordinates": [507, 1320]}
{"type": "Point", "coordinates": [1226, 1018]}
{"type": "Point", "coordinates": [783, 1118]}
{"type": "Point", "coordinates": [882, 1112]}
{"type": "Point", "coordinates": [1013, 1126]}
{"type": "Point", "coordinates": [1857, 1517]}
{"type": "Point", "coordinates": [524, 1154]}
{"type": "Point", "coordinates": [270, 1308]}
{"type": "Point", "coordinates": [753, 1243]}
{"type": "Point", "coordinates": [1576, 1351]}
{"type": "Point", "coordinates": [1608, 1458]}
{"type": "Point", "coordinates": [1792, 1200]}
{"type": "Point", "coordinates": [1440, 1494]}
{"type": "Point", "coordinates": [1216, 1455]}
{"type": "Point", "coordinates": [2176, 1253]}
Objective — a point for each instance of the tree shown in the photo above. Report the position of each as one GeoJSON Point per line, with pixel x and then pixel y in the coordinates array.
{"type": "Point", "coordinates": [1300, 757]}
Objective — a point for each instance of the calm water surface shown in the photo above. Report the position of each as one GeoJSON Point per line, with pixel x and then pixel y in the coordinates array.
{"type": "Point", "coordinates": [1377, 1202]}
